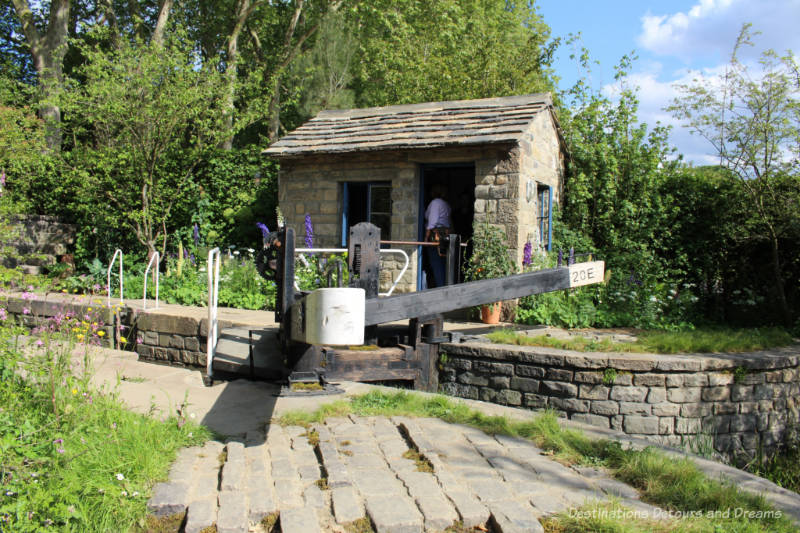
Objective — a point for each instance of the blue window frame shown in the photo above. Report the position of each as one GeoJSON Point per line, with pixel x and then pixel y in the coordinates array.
{"type": "Point", "coordinates": [367, 201]}
{"type": "Point", "coordinates": [545, 216]}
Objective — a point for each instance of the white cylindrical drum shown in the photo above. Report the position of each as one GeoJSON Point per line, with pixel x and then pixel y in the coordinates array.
{"type": "Point", "coordinates": [335, 316]}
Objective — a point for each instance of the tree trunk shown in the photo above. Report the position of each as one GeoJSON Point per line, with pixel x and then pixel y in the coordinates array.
{"type": "Point", "coordinates": [48, 53]}
{"type": "Point", "coordinates": [161, 24]}
{"type": "Point", "coordinates": [780, 290]}
{"type": "Point", "coordinates": [243, 10]}
{"type": "Point", "coordinates": [274, 112]}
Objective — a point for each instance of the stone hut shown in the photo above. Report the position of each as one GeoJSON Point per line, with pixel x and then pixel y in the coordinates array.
{"type": "Point", "coordinates": [501, 160]}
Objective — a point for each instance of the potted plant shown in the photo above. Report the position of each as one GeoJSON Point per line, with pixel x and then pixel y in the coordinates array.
{"type": "Point", "coordinates": [490, 259]}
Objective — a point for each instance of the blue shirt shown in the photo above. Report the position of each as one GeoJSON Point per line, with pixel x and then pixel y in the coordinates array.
{"type": "Point", "coordinates": [437, 215]}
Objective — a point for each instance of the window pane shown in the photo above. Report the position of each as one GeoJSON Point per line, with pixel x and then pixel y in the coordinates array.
{"type": "Point", "coordinates": [381, 201]}
{"type": "Point", "coordinates": [383, 221]}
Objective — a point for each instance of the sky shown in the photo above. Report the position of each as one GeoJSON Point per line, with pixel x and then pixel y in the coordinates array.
{"type": "Point", "coordinates": [674, 41]}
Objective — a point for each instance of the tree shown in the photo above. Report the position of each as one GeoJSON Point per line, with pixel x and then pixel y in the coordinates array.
{"type": "Point", "coordinates": [48, 49]}
{"type": "Point", "coordinates": [146, 115]}
{"type": "Point", "coordinates": [414, 51]}
{"type": "Point", "coordinates": [751, 117]}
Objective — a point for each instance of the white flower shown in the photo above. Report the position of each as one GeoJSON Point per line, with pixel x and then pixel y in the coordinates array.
{"type": "Point", "coordinates": [120, 477]}
{"type": "Point", "coordinates": [192, 415]}
{"type": "Point", "coordinates": [124, 493]}
{"type": "Point", "coordinates": [135, 493]}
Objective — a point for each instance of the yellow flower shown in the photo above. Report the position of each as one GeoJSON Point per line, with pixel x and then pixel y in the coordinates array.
{"type": "Point", "coordinates": [101, 333]}
{"type": "Point", "coordinates": [90, 309]}
{"type": "Point", "coordinates": [64, 291]}
{"type": "Point", "coordinates": [123, 340]}
{"type": "Point", "coordinates": [74, 391]}
{"type": "Point", "coordinates": [80, 337]}
{"type": "Point", "coordinates": [75, 291]}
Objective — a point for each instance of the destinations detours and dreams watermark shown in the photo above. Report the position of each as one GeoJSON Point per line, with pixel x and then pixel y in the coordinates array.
{"type": "Point", "coordinates": [659, 514]}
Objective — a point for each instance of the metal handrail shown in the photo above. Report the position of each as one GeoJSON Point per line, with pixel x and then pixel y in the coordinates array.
{"type": "Point", "coordinates": [147, 271]}
{"type": "Point", "coordinates": [402, 271]}
{"type": "Point", "coordinates": [108, 277]}
{"type": "Point", "coordinates": [342, 250]}
{"type": "Point", "coordinates": [213, 293]}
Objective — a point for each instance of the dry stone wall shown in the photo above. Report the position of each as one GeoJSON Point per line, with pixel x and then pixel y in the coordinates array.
{"type": "Point", "coordinates": [160, 337]}
{"type": "Point", "coordinates": [742, 402]}
{"type": "Point", "coordinates": [38, 241]}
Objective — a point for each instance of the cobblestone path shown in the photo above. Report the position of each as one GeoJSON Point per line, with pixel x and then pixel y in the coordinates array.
{"type": "Point", "coordinates": [404, 474]}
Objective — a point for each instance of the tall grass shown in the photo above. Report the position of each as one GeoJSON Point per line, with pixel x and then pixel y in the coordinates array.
{"type": "Point", "coordinates": [718, 340]}
{"type": "Point", "coordinates": [74, 458]}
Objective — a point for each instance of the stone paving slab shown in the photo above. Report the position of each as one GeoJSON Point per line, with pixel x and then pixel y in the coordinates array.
{"type": "Point", "coordinates": [233, 514]}
{"type": "Point", "coordinates": [358, 469]}
{"type": "Point", "coordinates": [201, 514]}
{"type": "Point", "coordinates": [300, 520]}
{"type": "Point", "coordinates": [347, 505]}
{"type": "Point", "coordinates": [168, 499]}
{"type": "Point", "coordinates": [394, 514]}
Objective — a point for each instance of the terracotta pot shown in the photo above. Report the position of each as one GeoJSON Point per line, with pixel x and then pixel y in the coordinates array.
{"type": "Point", "coordinates": [490, 313]}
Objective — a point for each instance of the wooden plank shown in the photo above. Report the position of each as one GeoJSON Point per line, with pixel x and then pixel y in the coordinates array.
{"type": "Point", "coordinates": [461, 296]}
{"type": "Point", "coordinates": [374, 374]}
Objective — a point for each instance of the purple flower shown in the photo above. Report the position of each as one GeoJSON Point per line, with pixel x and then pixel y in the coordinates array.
{"type": "Point", "coordinates": [58, 441]}
{"type": "Point", "coordinates": [309, 232]}
{"type": "Point", "coordinates": [196, 234]}
{"type": "Point", "coordinates": [39, 343]}
{"type": "Point", "coordinates": [526, 254]}
{"type": "Point", "coordinates": [3, 314]}
{"type": "Point", "coordinates": [264, 230]}
{"type": "Point", "coordinates": [26, 311]}
{"type": "Point", "coordinates": [60, 450]}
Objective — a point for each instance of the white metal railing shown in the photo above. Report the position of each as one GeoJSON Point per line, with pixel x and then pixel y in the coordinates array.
{"type": "Point", "coordinates": [117, 252]}
{"type": "Point", "coordinates": [213, 292]}
{"type": "Point", "coordinates": [402, 271]}
{"type": "Point", "coordinates": [155, 257]}
{"type": "Point", "coordinates": [342, 250]}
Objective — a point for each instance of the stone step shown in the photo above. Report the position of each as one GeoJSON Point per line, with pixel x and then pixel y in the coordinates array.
{"type": "Point", "coordinates": [233, 353]}
{"type": "Point", "coordinates": [55, 234]}
{"type": "Point", "coordinates": [31, 260]}
{"type": "Point", "coordinates": [32, 247]}
{"type": "Point", "coordinates": [30, 269]}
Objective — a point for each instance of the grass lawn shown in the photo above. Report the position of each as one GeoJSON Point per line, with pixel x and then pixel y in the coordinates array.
{"type": "Point", "coordinates": [701, 340]}
{"type": "Point", "coordinates": [676, 485]}
{"type": "Point", "coordinates": [73, 458]}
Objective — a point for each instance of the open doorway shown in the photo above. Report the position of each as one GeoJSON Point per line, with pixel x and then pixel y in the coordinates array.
{"type": "Point", "coordinates": [457, 181]}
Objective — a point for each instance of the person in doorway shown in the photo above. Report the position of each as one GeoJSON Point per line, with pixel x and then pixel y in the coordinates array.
{"type": "Point", "coordinates": [437, 228]}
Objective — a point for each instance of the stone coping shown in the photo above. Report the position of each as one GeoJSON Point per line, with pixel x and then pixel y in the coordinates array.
{"type": "Point", "coordinates": [52, 303]}
{"type": "Point", "coordinates": [772, 359]}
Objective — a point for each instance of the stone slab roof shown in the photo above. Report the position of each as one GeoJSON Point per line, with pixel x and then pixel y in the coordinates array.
{"type": "Point", "coordinates": [429, 125]}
